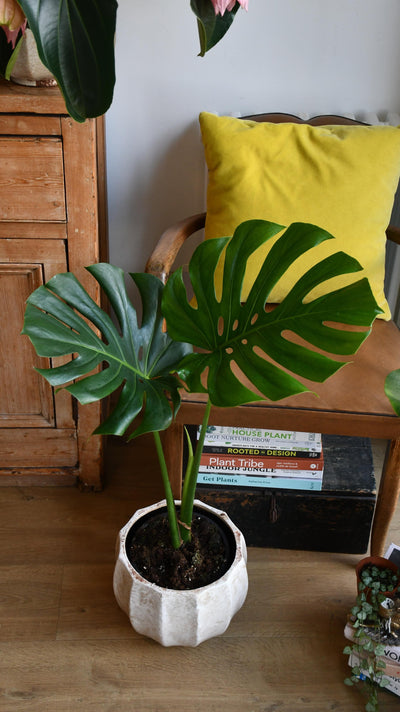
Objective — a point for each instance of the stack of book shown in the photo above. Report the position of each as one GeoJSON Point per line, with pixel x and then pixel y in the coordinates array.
{"type": "Point", "coordinates": [245, 457]}
{"type": "Point", "coordinates": [391, 650]}
{"type": "Point", "coordinates": [391, 658]}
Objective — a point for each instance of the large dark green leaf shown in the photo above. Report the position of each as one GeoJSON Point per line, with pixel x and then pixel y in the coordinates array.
{"type": "Point", "coordinates": [75, 40]}
{"type": "Point", "coordinates": [257, 341]}
{"type": "Point", "coordinates": [140, 359]}
{"type": "Point", "coordinates": [211, 27]}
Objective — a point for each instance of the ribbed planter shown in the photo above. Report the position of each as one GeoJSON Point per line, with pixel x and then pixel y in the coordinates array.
{"type": "Point", "coordinates": [28, 69]}
{"type": "Point", "coordinates": [186, 617]}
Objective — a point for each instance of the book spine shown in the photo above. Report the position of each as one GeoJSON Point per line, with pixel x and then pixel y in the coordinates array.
{"type": "Point", "coordinates": [266, 443]}
{"type": "Point", "coordinates": [238, 434]}
{"type": "Point", "coordinates": [266, 464]}
{"type": "Point", "coordinates": [292, 453]}
{"type": "Point", "coordinates": [391, 652]}
{"type": "Point", "coordinates": [268, 482]}
{"type": "Point", "coordinates": [393, 683]}
{"type": "Point", "coordinates": [262, 474]}
{"type": "Point", "coordinates": [391, 669]}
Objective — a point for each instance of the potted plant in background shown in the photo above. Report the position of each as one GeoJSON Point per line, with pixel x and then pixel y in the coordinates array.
{"type": "Point", "coordinates": [368, 628]}
{"type": "Point", "coordinates": [151, 366]}
{"type": "Point", "coordinates": [75, 42]}
{"type": "Point", "coordinates": [214, 18]}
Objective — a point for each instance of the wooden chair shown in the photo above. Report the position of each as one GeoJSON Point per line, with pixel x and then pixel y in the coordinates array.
{"type": "Point", "coordinates": [352, 402]}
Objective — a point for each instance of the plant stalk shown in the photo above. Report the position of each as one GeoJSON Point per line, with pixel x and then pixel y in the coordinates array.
{"type": "Point", "coordinates": [189, 486]}
{"type": "Point", "coordinates": [172, 518]}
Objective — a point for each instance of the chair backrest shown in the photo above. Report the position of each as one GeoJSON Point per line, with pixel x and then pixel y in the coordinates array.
{"type": "Point", "coordinates": [320, 120]}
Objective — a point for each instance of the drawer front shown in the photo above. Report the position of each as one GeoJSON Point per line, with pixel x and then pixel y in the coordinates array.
{"type": "Point", "coordinates": [31, 179]}
{"type": "Point", "coordinates": [30, 125]}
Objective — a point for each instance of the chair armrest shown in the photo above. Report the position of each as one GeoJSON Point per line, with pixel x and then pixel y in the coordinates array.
{"type": "Point", "coordinates": [393, 234]}
{"type": "Point", "coordinates": [163, 256]}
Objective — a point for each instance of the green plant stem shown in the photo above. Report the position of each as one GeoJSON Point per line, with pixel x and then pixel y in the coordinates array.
{"type": "Point", "coordinates": [172, 518]}
{"type": "Point", "coordinates": [13, 58]}
{"type": "Point", "coordinates": [189, 487]}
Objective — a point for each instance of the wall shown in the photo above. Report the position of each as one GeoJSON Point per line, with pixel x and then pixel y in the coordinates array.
{"type": "Point", "coordinates": [310, 56]}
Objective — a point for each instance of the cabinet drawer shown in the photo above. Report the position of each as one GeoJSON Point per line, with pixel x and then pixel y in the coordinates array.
{"type": "Point", "coordinates": [29, 125]}
{"type": "Point", "coordinates": [31, 179]}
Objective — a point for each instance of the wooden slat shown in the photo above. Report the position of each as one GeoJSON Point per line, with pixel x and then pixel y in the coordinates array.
{"type": "Point", "coordinates": [29, 100]}
{"type": "Point", "coordinates": [80, 143]}
{"type": "Point", "coordinates": [102, 206]}
{"type": "Point", "coordinates": [280, 418]}
{"type": "Point", "coordinates": [84, 194]}
{"type": "Point", "coordinates": [33, 595]}
{"type": "Point", "coordinates": [38, 447]}
{"type": "Point", "coordinates": [31, 179]}
{"type": "Point", "coordinates": [33, 404]}
{"type": "Point", "coordinates": [28, 125]}
{"type": "Point", "coordinates": [33, 230]}
{"type": "Point", "coordinates": [44, 477]}
{"type": "Point", "coordinates": [49, 253]}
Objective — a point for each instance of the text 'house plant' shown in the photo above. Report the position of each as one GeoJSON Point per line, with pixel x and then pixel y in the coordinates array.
{"type": "Point", "coordinates": [151, 365]}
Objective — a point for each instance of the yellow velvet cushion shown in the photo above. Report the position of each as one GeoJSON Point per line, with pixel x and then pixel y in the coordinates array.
{"type": "Point", "coordinates": [341, 178]}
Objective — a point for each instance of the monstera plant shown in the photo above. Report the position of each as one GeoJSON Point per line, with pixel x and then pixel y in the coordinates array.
{"type": "Point", "coordinates": [151, 365]}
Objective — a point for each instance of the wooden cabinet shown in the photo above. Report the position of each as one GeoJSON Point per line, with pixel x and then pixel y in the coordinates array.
{"type": "Point", "coordinates": [52, 219]}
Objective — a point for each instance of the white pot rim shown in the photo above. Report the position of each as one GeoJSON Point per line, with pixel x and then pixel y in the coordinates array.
{"type": "Point", "coordinates": [240, 545]}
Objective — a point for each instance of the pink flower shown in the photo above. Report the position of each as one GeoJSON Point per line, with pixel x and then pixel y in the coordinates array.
{"type": "Point", "coordinates": [221, 5]}
{"type": "Point", "coordinates": [12, 34]}
{"type": "Point", "coordinates": [12, 19]}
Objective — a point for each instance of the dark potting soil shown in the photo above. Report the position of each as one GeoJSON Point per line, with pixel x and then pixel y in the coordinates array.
{"type": "Point", "coordinates": [196, 563]}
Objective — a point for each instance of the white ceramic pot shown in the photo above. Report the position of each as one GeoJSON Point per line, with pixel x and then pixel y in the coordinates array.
{"type": "Point", "coordinates": [28, 69]}
{"type": "Point", "coordinates": [180, 617]}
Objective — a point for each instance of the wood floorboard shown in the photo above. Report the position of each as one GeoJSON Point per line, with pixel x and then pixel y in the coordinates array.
{"type": "Point", "coordinates": [65, 646]}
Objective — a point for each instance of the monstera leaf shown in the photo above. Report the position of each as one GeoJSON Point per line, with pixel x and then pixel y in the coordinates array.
{"type": "Point", "coordinates": [75, 41]}
{"type": "Point", "coordinates": [260, 342]}
{"type": "Point", "coordinates": [140, 359]}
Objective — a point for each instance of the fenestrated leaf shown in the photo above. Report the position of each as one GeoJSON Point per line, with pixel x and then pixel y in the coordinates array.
{"type": "Point", "coordinates": [211, 27]}
{"type": "Point", "coordinates": [260, 342]}
{"type": "Point", "coordinates": [75, 40]}
{"type": "Point", "coordinates": [140, 359]}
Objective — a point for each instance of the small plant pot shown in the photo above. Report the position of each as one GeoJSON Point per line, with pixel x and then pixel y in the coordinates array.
{"type": "Point", "coordinates": [28, 69]}
{"type": "Point", "coordinates": [181, 617]}
{"type": "Point", "coordinates": [381, 563]}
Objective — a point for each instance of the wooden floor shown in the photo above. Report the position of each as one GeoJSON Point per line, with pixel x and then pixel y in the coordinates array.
{"type": "Point", "coordinates": [66, 647]}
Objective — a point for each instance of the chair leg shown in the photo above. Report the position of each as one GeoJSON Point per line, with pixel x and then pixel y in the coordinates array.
{"type": "Point", "coordinates": [387, 498]}
{"type": "Point", "coordinates": [172, 440]}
